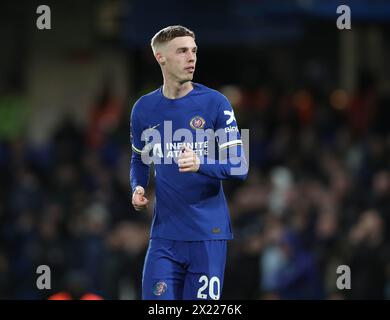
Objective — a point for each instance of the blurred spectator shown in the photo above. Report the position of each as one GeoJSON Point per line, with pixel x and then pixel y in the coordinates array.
{"type": "Point", "coordinates": [295, 272]}
{"type": "Point", "coordinates": [104, 117]}
{"type": "Point", "coordinates": [369, 257]}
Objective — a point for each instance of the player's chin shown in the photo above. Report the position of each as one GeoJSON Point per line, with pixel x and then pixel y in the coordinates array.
{"type": "Point", "coordinates": [188, 77]}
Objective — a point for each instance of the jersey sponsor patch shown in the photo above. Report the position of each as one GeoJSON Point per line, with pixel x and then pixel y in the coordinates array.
{"type": "Point", "coordinates": [231, 129]}
{"type": "Point", "coordinates": [231, 116]}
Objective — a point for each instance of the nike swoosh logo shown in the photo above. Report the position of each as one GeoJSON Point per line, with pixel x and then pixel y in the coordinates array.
{"type": "Point", "coordinates": [154, 127]}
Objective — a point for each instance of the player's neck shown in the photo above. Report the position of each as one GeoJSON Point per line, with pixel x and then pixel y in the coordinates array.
{"type": "Point", "coordinates": [176, 90]}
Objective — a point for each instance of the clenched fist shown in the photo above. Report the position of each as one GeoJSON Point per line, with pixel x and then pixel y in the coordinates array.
{"type": "Point", "coordinates": [188, 161]}
{"type": "Point", "coordinates": [139, 200]}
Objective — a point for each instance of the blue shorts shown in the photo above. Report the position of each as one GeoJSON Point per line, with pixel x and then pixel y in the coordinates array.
{"type": "Point", "coordinates": [189, 270]}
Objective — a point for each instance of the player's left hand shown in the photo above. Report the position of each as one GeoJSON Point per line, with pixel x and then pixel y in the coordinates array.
{"type": "Point", "coordinates": [188, 161]}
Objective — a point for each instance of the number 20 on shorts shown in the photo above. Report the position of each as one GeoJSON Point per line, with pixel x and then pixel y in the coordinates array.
{"type": "Point", "coordinates": [214, 288]}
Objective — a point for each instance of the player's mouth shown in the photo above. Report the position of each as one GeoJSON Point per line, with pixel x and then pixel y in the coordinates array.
{"type": "Point", "coordinates": [190, 69]}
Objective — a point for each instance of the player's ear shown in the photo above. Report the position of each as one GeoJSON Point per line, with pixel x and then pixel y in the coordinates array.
{"type": "Point", "coordinates": [160, 58]}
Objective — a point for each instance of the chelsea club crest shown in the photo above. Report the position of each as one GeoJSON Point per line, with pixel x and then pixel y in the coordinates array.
{"type": "Point", "coordinates": [197, 122]}
{"type": "Point", "coordinates": [159, 288]}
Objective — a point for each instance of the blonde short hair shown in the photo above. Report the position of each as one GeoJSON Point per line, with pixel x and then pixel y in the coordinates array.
{"type": "Point", "coordinates": [169, 33]}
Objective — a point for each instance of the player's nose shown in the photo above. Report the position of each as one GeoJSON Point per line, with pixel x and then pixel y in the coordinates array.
{"type": "Point", "coordinates": [191, 57]}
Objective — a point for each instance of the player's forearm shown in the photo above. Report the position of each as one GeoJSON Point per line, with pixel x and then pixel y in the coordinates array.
{"type": "Point", "coordinates": [236, 168]}
{"type": "Point", "coordinates": [139, 172]}
{"type": "Point", "coordinates": [231, 165]}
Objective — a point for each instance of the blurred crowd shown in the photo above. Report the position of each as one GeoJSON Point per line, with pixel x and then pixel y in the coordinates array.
{"type": "Point", "coordinates": [317, 197]}
{"type": "Point", "coordinates": [65, 204]}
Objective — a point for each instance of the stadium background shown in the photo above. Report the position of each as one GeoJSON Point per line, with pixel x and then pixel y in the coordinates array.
{"type": "Point", "coordinates": [316, 101]}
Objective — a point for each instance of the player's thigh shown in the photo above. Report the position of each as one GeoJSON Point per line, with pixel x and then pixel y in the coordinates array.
{"type": "Point", "coordinates": [156, 289]}
{"type": "Point", "coordinates": [204, 278]}
{"type": "Point", "coordinates": [163, 277]}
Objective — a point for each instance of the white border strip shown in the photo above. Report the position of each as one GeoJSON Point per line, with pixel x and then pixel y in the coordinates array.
{"type": "Point", "coordinates": [226, 144]}
{"type": "Point", "coordinates": [135, 149]}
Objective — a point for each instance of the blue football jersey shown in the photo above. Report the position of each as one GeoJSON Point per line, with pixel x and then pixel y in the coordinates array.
{"type": "Point", "coordinates": [188, 206]}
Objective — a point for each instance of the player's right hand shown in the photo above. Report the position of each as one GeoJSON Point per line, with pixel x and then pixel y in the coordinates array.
{"type": "Point", "coordinates": [139, 200]}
